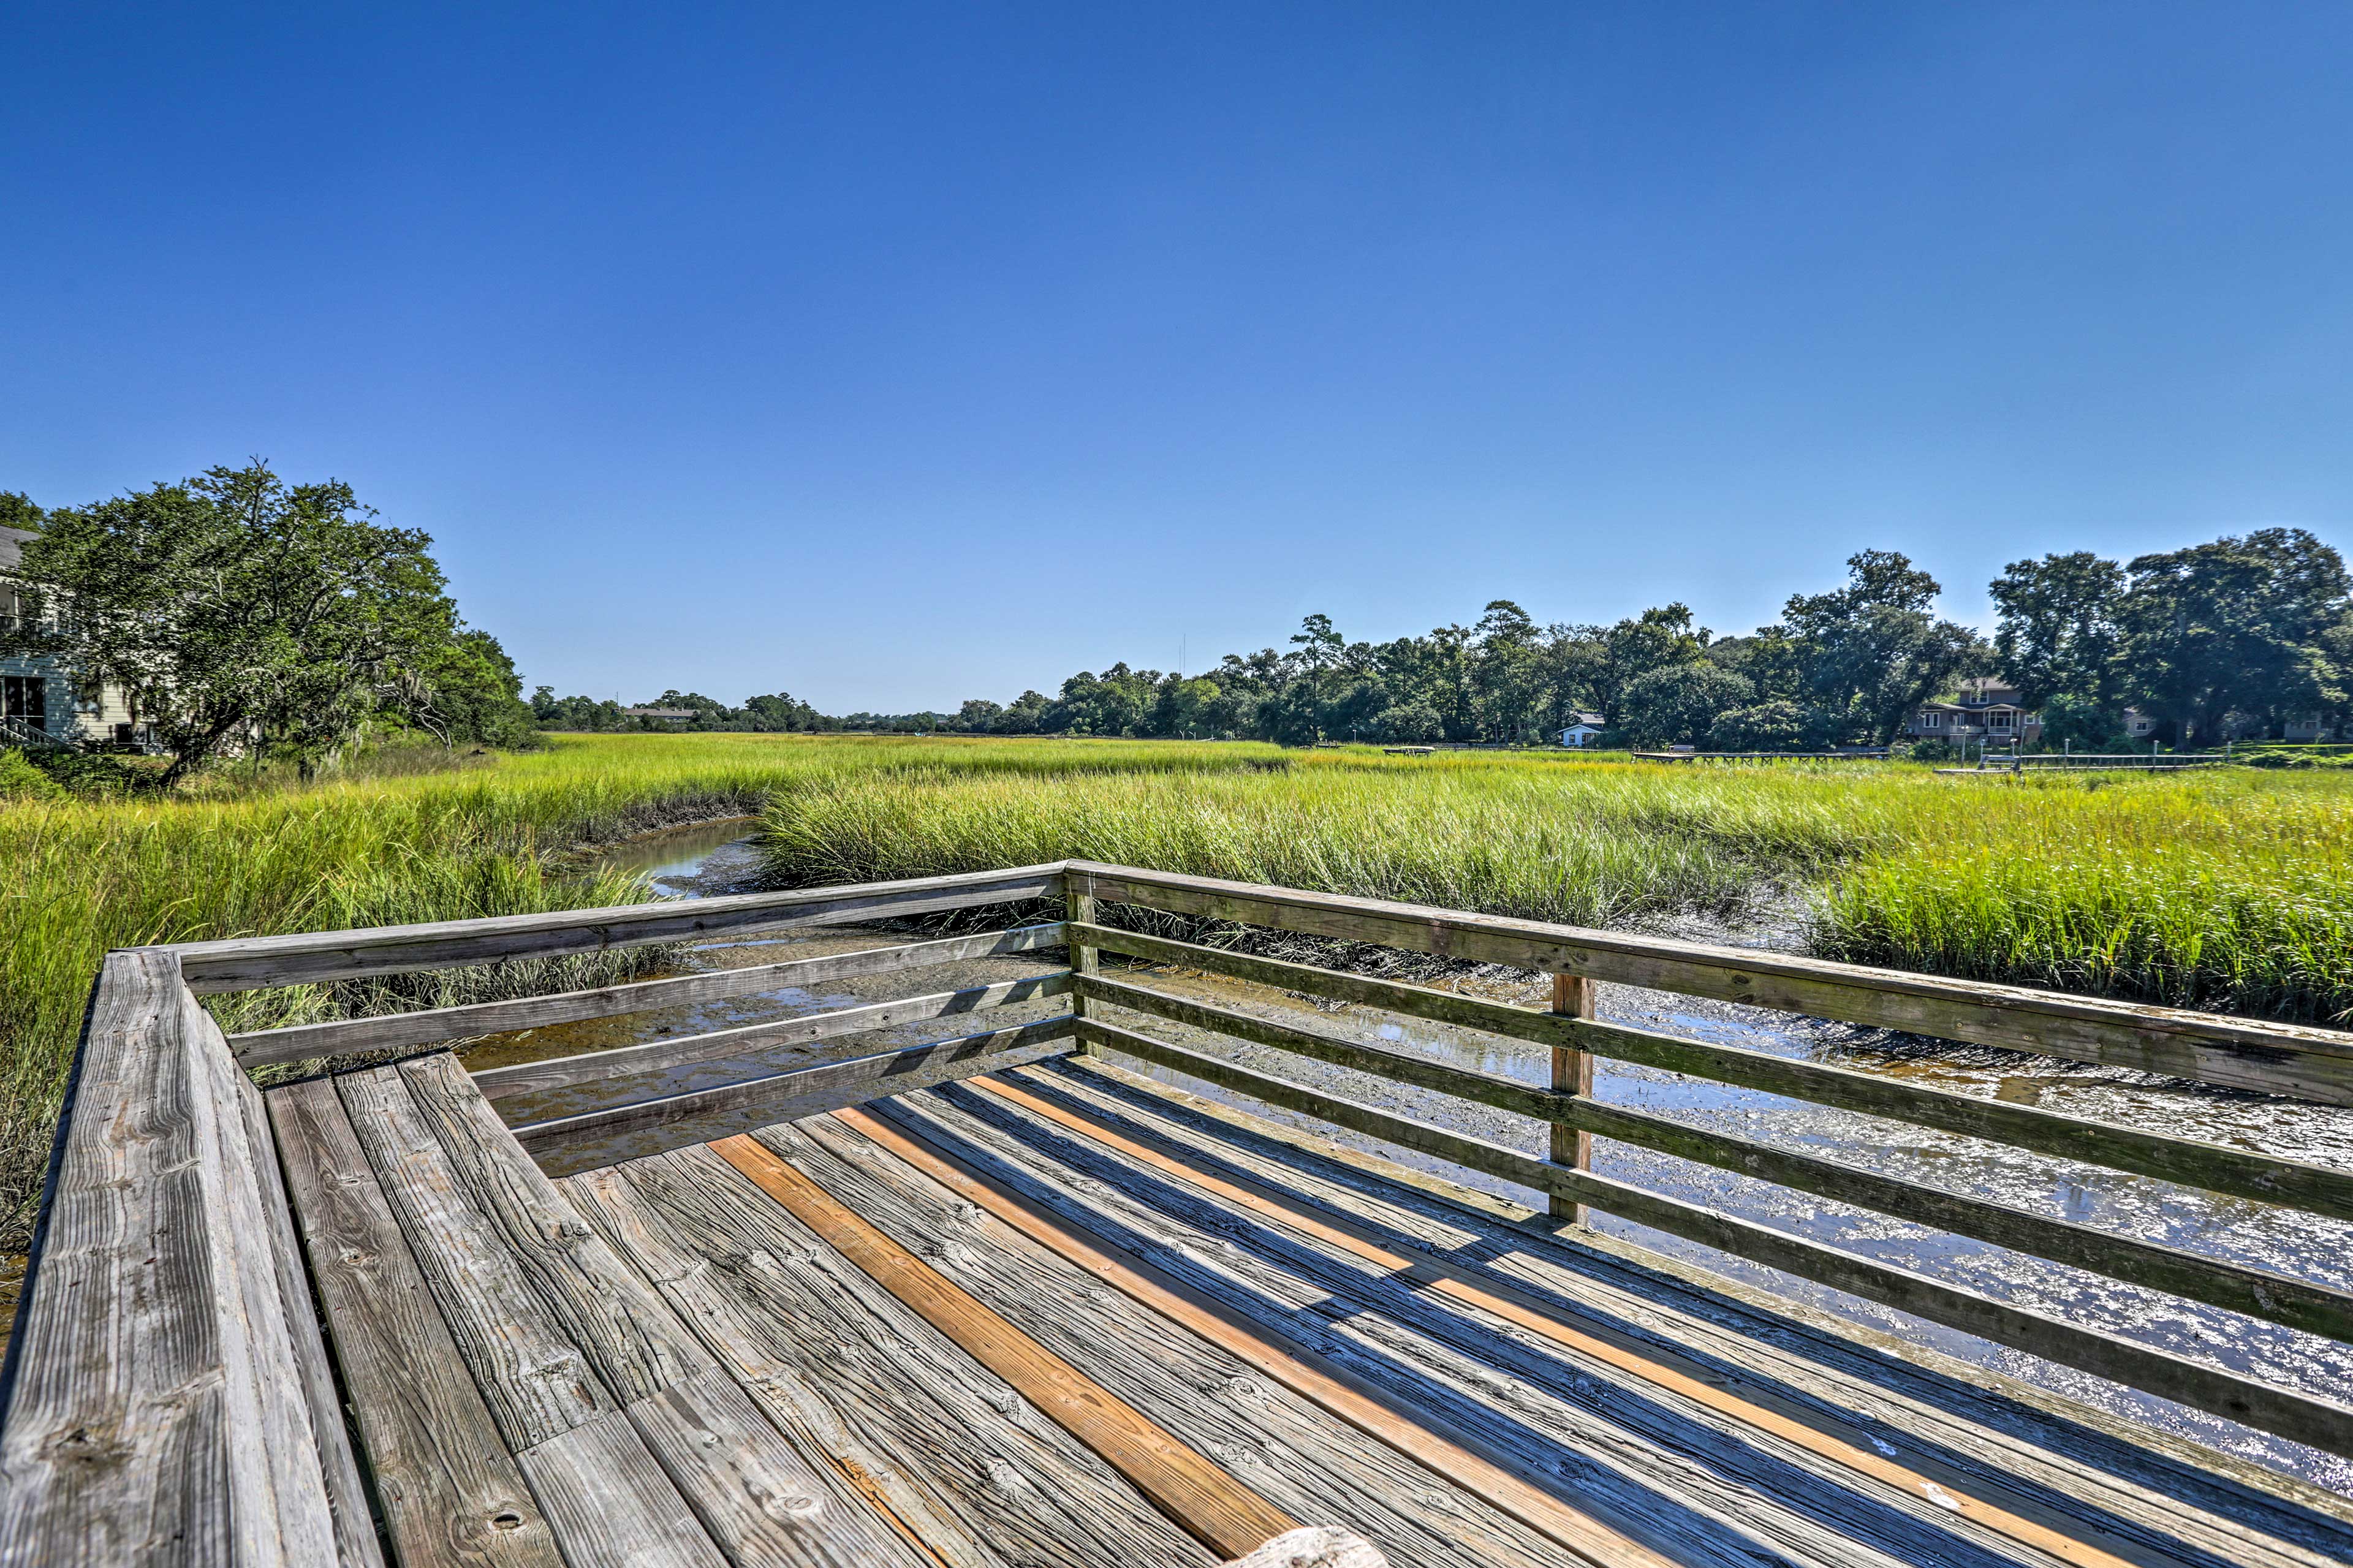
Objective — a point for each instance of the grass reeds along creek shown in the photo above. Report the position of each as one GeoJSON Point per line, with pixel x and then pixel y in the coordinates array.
{"type": "Point", "coordinates": [2225, 890]}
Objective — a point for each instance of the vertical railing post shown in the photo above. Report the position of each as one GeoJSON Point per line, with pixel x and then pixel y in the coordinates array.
{"type": "Point", "coordinates": [1572, 1073]}
{"type": "Point", "coordinates": [1077, 907]}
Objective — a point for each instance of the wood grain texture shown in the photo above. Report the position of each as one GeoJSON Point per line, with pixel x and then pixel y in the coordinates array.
{"type": "Point", "coordinates": [537, 1383]}
{"type": "Point", "coordinates": [154, 1408]}
{"type": "Point", "coordinates": [2242, 1053]}
{"type": "Point", "coordinates": [611, 1503]}
{"type": "Point", "coordinates": [356, 1536]}
{"type": "Point", "coordinates": [810, 1091]}
{"type": "Point", "coordinates": [758, 1498]}
{"type": "Point", "coordinates": [450, 1491]}
{"type": "Point", "coordinates": [1296, 1432]}
{"type": "Point", "coordinates": [392, 1031]}
{"type": "Point", "coordinates": [2307, 1419]}
{"type": "Point", "coordinates": [1078, 919]}
{"type": "Point", "coordinates": [961, 1459]}
{"type": "Point", "coordinates": [713, 1045]}
{"type": "Point", "coordinates": [314, 957]}
{"type": "Point", "coordinates": [1959, 1422]}
{"type": "Point", "coordinates": [634, 1343]}
{"type": "Point", "coordinates": [1211, 1506]}
{"type": "Point", "coordinates": [1572, 1074]}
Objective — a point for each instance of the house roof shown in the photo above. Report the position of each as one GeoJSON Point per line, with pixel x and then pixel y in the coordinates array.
{"type": "Point", "coordinates": [660, 713]}
{"type": "Point", "coordinates": [1590, 721]}
{"type": "Point", "coordinates": [12, 547]}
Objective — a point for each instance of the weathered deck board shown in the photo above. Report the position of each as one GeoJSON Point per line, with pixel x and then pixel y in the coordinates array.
{"type": "Point", "coordinates": [1971, 1430]}
{"type": "Point", "coordinates": [1307, 1462]}
{"type": "Point", "coordinates": [451, 1492]}
{"type": "Point", "coordinates": [154, 1407]}
{"type": "Point", "coordinates": [979, 1474]}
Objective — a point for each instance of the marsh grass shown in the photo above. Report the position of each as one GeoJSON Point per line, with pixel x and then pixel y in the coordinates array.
{"type": "Point", "coordinates": [2225, 890]}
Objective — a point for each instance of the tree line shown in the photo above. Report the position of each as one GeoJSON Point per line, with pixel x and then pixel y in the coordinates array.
{"type": "Point", "coordinates": [2233, 637]}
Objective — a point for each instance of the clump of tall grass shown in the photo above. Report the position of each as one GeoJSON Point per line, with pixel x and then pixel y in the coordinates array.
{"type": "Point", "coordinates": [2226, 891]}
{"type": "Point", "coordinates": [2210, 894]}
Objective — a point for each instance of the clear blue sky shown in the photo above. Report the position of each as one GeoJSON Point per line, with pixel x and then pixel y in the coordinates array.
{"type": "Point", "coordinates": [892, 356]}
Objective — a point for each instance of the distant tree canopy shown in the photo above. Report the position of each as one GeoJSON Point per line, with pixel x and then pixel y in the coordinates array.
{"type": "Point", "coordinates": [238, 612]}
{"type": "Point", "coordinates": [2238, 636]}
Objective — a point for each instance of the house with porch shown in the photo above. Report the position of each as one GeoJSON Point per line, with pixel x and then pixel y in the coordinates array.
{"type": "Point", "coordinates": [1985, 708]}
{"type": "Point", "coordinates": [42, 702]}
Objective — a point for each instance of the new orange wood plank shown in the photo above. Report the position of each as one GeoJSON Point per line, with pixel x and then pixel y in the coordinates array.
{"type": "Point", "coordinates": [1200, 1497]}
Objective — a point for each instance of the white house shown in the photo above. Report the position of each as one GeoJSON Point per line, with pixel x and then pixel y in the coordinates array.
{"type": "Point", "coordinates": [1585, 729]}
{"type": "Point", "coordinates": [42, 702]}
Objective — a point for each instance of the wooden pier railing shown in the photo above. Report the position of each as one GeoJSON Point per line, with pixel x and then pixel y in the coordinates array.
{"type": "Point", "coordinates": [164, 1201]}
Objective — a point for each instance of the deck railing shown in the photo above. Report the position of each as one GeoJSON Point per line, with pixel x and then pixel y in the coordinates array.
{"type": "Point", "coordinates": [1111, 1011]}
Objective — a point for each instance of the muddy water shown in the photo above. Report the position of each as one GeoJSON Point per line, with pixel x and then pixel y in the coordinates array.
{"type": "Point", "coordinates": [719, 859]}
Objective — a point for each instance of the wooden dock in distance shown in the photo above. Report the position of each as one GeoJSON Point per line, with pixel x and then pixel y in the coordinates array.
{"type": "Point", "coordinates": [987, 1300]}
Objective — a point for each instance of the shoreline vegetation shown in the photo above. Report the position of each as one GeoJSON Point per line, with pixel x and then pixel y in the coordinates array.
{"type": "Point", "coordinates": [2228, 890]}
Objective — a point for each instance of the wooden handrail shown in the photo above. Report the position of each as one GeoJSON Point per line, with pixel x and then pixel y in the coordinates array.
{"type": "Point", "coordinates": [308, 958]}
{"type": "Point", "coordinates": [2288, 1059]}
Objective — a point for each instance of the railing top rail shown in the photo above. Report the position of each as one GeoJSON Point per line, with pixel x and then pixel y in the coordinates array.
{"type": "Point", "coordinates": [2292, 1060]}
{"type": "Point", "coordinates": [308, 957]}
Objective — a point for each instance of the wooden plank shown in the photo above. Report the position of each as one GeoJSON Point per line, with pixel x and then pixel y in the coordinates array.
{"type": "Point", "coordinates": [313, 957]}
{"type": "Point", "coordinates": [536, 1382]}
{"type": "Point", "coordinates": [610, 1504]}
{"type": "Point", "coordinates": [1079, 914]}
{"type": "Point", "coordinates": [1530, 1312]}
{"type": "Point", "coordinates": [808, 1090]}
{"type": "Point", "coordinates": [1958, 1422]}
{"type": "Point", "coordinates": [355, 1538]}
{"type": "Point", "coordinates": [1415, 1496]}
{"type": "Point", "coordinates": [437, 1026]}
{"type": "Point", "coordinates": [2259, 1292]}
{"type": "Point", "coordinates": [1623, 1460]}
{"type": "Point", "coordinates": [1572, 1073]}
{"type": "Point", "coordinates": [2242, 1053]}
{"type": "Point", "coordinates": [1211, 1505]}
{"type": "Point", "coordinates": [154, 1408]}
{"type": "Point", "coordinates": [636, 1345]}
{"type": "Point", "coordinates": [758, 1498]}
{"type": "Point", "coordinates": [683, 1050]}
{"type": "Point", "coordinates": [973, 1471]}
{"type": "Point", "coordinates": [451, 1492]}
{"type": "Point", "coordinates": [2217, 1167]}
{"type": "Point", "coordinates": [2305, 1418]}
{"type": "Point", "coordinates": [1429, 1440]}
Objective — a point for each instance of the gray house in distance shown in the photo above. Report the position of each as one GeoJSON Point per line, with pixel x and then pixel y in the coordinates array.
{"type": "Point", "coordinates": [1986, 708]}
{"type": "Point", "coordinates": [42, 703]}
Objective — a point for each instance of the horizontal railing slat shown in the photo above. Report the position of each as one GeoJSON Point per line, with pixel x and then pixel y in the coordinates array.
{"type": "Point", "coordinates": [2242, 1053]}
{"type": "Point", "coordinates": [2258, 1292]}
{"type": "Point", "coordinates": [822, 1086]}
{"type": "Point", "coordinates": [433, 1027]}
{"type": "Point", "coordinates": [684, 1051]}
{"type": "Point", "coordinates": [243, 962]}
{"type": "Point", "coordinates": [2267, 1178]}
{"type": "Point", "coordinates": [2301, 1417]}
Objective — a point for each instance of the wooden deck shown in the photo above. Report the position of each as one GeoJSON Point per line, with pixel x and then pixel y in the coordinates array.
{"type": "Point", "coordinates": [1058, 1315]}
{"type": "Point", "coordinates": [982, 1301]}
